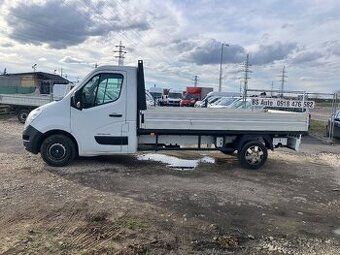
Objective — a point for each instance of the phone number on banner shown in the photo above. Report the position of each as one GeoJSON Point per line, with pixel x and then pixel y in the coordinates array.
{"type": "Point", "coordinates": [282, 103]}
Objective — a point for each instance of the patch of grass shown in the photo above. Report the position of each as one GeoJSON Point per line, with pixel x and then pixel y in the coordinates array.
{"type": "Point", "coordinates": [318, 127]}
{"type": "Point", "coordinates": [324, 104]}
{"type": "Point", "coordinates": [135, 224]}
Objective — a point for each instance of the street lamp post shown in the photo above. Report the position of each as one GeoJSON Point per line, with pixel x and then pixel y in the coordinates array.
{"type": "Point", "coordinates": [220, 79]}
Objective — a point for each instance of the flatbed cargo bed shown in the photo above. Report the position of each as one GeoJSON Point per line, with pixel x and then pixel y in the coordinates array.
{"type": "Point", "coordinates": [195, 120]}
{"type": "Point", "coordinates": [24, 99]}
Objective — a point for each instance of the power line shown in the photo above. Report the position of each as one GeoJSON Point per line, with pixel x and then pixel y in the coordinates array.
{"type": "Point", "coordinates": [272, 88]}
{"type": "Point", "coordinates": [121, 52]}
{"type": "Point", "coordinates": [283, 80]}
{"type": "Point", "coordinates": [246, 78]}
{"type": "Point", "coordinates": [195, 80]}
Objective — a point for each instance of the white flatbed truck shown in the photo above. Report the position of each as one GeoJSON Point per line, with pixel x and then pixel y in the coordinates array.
{"type": "Point", "coordinates": [22, 104]}
{"type": "Point", "coordinates": [106, 114]}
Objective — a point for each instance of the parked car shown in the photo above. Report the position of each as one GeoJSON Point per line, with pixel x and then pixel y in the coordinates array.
{"type": "Point", "coordinates": [188, 100]}
{"type": "Point", "coordinates": [214, 100]}
{"type": "Point", "coordinates": [215, 94]}
{"type": "Point", "coordinates": [174, 97]}
{"type": "Point", "coordinates": [239, 104]}
{"type": "Point", "coordinates": [194, 94]}
{"type": "Point", "coordinates": [336, 119]}
{"type": "Point", "coordinates": [156, 93]}
{"type": "Point", "coordinates": [224, 102]}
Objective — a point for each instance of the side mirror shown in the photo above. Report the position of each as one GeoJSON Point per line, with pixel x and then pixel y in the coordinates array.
{"type": "Point", "coordinates": [76, 100]}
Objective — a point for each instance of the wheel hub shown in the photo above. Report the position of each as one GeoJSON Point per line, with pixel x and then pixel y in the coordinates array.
{"type": "Point", "coordinates": [254, 155]}
{"type": "Point", "coordinates": [57, 150]}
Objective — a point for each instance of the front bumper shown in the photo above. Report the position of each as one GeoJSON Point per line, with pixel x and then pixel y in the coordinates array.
{"type": "Point", "coordinates": [174, 103]}
{"type": "Point", "coordinates": [31, 139]}
{"type": "Point", "coordinates": [187, 103]}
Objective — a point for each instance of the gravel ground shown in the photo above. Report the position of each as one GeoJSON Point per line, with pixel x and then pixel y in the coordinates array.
{"type": "Point", "coordinates": [121, 205]}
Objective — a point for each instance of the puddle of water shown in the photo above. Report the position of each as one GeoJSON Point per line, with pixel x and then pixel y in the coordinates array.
{"type": "Point", "coordinates": [176, 163]}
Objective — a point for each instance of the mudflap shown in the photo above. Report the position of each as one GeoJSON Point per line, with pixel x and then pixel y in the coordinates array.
{"type": "Point", "coordinates": [294, 142]}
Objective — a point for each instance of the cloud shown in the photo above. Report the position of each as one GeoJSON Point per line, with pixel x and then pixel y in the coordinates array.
{"type": "Point", "coordinates": [210, 53]}
{"type": "Point", "coordinates": [287, 25]}
{"type": "Point", "coordinates": [61, 24]}
{"type": "Point", "coordinates": [269, 53]}
{"type": "Point", "coordinates": [71, 60]}
{"type": "Point", "coordinates": [7, 45]}
{"type": "Point", "coordinates": [308, 78]}
{"type": "Point", "coordinates": [42, 59]}
{"type": "Point", "coordinates": [307, 56]}
{"type": "Point", "coordinates": [332, 47]}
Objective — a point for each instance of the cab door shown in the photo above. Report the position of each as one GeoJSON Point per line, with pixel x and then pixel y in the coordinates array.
{"type": "Point", "coordinates": [98, 114]}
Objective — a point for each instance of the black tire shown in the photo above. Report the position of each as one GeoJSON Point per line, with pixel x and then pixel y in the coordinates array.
{"type": "Point", "coordinates": [58, 150]}
{"type": "Point", "coordinates": [22, 115]}
{"type": "Point", "coordinates": [253, 155]}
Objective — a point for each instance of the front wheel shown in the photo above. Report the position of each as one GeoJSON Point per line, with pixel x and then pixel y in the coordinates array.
{"type": "Point", "coordinates": [58, 150]}
{"type": "Point", "coordinates": [253, 155]}
{"type": "Point", "coordinates": [22, 115]}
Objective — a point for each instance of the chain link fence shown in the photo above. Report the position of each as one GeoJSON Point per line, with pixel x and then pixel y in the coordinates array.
{"type": "Point", "coordinates": [321, 107]}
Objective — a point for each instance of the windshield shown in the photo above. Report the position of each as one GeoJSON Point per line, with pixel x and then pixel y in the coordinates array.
{"type": "Point", "coordinates": [175, 95]}
{"type": "Point", "coordinates": [207, 97]}
{"type": "Point", "coordinates": [241, 104]}
{"type": "Point", "coordinates": [237, 103]}
{"type": "Point", "coordinates": [191, 97]}
{"type": "Point", "coordinates": [212, 99]}
{"type": "Point", "coordinates": [227, 101]}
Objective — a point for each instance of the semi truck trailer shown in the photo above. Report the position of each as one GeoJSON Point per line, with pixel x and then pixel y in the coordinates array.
{"type": "Point", "coordinates": [106, 114]}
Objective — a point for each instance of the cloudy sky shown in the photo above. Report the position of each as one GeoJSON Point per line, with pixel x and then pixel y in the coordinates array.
{"type": "Point", "coordinates": [178, 40]}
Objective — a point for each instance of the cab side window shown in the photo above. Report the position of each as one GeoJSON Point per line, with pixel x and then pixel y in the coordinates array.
{"type": "Point", "coordinates": [102, 89]}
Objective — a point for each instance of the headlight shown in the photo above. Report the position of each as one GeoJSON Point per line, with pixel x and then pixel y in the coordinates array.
{"type": "Point", "coordinates": [32, 116]}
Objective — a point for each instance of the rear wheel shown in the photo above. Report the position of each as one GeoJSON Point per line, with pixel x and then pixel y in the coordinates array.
{"type": "Point", "coordinates": [22, 115]}
{"type": "Point", "coordinates": [58, 150]}
{"type": "Point", "coordinates": [253, 155]}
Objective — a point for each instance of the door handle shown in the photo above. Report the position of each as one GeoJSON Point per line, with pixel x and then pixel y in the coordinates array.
{"type": "Point", "coordinates": [117, 115]}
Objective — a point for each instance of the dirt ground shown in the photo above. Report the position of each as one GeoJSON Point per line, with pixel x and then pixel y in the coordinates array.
{"type": "Point", "coordinates": [120, 205]}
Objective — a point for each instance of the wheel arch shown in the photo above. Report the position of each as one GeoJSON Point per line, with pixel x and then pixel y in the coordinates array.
{"type": "Point", "coordinates": [59, 132]}
{"type": "Point", "coordinates": [242, 140]}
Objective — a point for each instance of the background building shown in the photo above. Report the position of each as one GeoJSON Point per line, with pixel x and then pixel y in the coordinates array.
{"type": "Point", "coordinates": [23, 83]}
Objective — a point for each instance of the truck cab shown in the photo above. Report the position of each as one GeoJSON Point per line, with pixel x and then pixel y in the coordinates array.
{"type": "Point", "coordinates": [95, 116]}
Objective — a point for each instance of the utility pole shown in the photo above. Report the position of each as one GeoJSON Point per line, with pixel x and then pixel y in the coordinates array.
{"type": "Point", "coordinates": [61, 72]}
{"type": "Point", "coordinates": [240, 87]}
{"type": "Point", "coordinates": [121, 52]}
{"type": "Point", "coordinates": [34, 67]}
{"type": "Point", "coordinates": [220, 78]}
{"type": "Point", "coordinates": [271, 91]}
{"type": "Point", "coordinates": [246, 78]}
{"type": "Point", "coordinates": [283, 80]}
{"type": "Point", "coordinates": [195, 81]}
